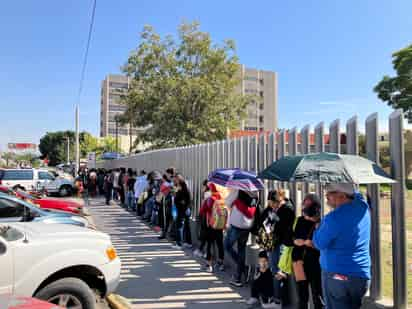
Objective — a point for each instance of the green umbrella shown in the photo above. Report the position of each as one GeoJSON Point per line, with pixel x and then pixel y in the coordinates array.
{"type": "Point", "coordinates": [326, 168]}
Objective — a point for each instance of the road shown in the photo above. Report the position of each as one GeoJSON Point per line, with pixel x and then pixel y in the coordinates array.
{"type": "Point", "coordinates": [154, 275]}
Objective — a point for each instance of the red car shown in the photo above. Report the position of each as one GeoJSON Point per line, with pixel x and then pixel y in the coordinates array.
{"type": "Point", "coordinates": [46, 203]}
{"type": "Point", "coordinates": [27, 303]}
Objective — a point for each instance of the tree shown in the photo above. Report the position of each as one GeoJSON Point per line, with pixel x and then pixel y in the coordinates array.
{"type": "Point", "coordinates": [88, 143]}
{"type": "Point", "coordinates": [53, 145]}
{"type": "Point", "coordinates": [107, 144]}
{"type": "Point", "coordinates": [183, 91]}
{"type": "Point", "coordinates": [8, 156]}
{"type": "Point", "coordinates": [397, 91]}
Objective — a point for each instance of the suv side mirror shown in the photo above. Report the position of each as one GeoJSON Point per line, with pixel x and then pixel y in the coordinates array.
{"type": "Point", "coordinates": [3, 248]}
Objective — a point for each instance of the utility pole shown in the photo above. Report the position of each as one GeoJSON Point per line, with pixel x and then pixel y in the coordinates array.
{"type": "Point", "coordinates": [68, 149]}
{"type": "Point", "coordinates": [77, 164]}
{"type": "Point", "coordinates": [117, 135]}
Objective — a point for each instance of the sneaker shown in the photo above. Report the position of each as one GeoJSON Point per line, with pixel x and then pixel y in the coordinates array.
{"type": "Point", "coordinates": [221, 266]}
{"type": "Point", "coordinates": [197, 253]}
{"type": "Point", "coordinates": [161, 237]}
{"type": "Point", "coordinates": [204, 255]}
{"type": "Point", "coordinates": [272, 304]}
{"type": "Point", "coordinates": [178, 247]}
{"type": "Point", "coordinates": [187, 246]}
{"type": "Point", "coordinates": [236, 283]}
{"type": "Point", "coordinates": [252, 301]}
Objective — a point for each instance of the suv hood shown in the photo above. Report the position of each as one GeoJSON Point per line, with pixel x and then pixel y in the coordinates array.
{"type": "Point", "coordinates": [42, 230]}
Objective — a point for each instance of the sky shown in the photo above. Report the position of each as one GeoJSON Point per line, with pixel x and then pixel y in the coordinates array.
{"type": "Point", "coordinates": [328, 54]}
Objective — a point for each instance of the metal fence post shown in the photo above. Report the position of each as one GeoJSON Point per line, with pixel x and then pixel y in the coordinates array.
{"type": "Point", "coordinates": [397, 151]}
{"type": "Point", "coordinates": [320, 147]}
{"type": "Point", "coordinates": [334, 136]}
{"type": "Point", "coordinates": [292, 145]}
{"type": "Point", "coordinates": [372, 151]}
{"type": "Point", "coordinates": [271, 157]}
{"type": "Point", "coordinates": [253, 153]}
{"type": "Point", "coordinates": [282, 149]}
{"type": "Point", "coordinates": [246, 150]}
{"type": "Point", "coordinates": [238, 147]}
{"type": "Point", "coordinates": [233, 153]}
{"type": "Point", "coordinates": [305, 149]}
{"type": "Point", "coordinates": [352, 139]}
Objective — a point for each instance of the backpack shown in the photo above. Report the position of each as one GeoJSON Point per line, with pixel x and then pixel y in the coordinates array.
{"type": "Point", "coordinates": [218, 217]}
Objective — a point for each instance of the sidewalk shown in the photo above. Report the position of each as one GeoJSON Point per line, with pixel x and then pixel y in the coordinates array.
{"type": "Point", "coordinates": [154, 275]}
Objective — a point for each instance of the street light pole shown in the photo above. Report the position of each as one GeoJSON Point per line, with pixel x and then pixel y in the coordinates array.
{"type": "Point", "coordinates": [117, 135]}
{"type": "Point", "coordinates": [68, 149]}
{"type": "Point", "coordinates": [77, 164]}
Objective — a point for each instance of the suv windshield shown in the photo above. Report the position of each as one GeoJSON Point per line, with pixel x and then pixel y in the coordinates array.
{"type": "Point", "coordinates": [10, 233]}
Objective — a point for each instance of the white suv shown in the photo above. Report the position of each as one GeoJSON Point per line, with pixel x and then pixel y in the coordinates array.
{"type": "Point", "coordinates": [62, 264]}
{"type": "Point", "coordinates": [31, 179]}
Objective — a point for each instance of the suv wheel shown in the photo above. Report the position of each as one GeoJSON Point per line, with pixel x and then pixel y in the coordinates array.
{"type": "Point", "coordinates": [71, 293]}
{"type": "Point", "coordinates": [65, 191]}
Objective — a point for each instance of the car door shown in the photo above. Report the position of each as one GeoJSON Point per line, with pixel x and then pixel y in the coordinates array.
{"type": "Point", "coordinates": [6, 264]}
{"type": "Point", "coordinates": [11, 211]}
{"type": "Point", "coordinates": [45, 178]}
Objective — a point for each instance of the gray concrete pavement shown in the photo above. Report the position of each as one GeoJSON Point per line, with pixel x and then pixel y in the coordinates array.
{"type": "Point", "coordinates": [155, 275]}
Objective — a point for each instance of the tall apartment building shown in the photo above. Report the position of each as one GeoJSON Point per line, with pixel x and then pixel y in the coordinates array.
{"type": "Point", "coordinates": [262, 112]}
{"type": "Point", "coordinates": [110, 106]}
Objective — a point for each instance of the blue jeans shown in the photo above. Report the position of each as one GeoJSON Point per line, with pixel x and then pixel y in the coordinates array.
{"type": "Point", "coordinates": [131, 201]}
{"type": "Point", "coordinates": [343, 294]}
{"type": "Point", "coordinates": [180, 224]}
{"type": "Point", "coordinates": [274, 257]}
{"type": "Point", "coordinates": [239, 236]}
{"type": "Point", "coordinates": [149, 208]}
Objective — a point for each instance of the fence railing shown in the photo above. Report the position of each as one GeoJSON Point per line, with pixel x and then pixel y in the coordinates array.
{"type": "Point", "coordinates": [256, 152]}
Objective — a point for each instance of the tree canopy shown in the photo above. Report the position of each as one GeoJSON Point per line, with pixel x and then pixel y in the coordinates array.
{"type": "Point", "coordinates": [183, 90]}
{"type": "Point", "coordinates": [397, 91]}
{"type": "Point", "coordinates": [53, 145]}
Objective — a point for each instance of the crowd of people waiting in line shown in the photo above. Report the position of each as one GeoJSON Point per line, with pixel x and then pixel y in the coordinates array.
{"type": "Point", "coordinates": [328, 256]}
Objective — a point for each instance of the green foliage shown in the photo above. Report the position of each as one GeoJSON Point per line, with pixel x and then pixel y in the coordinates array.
{"type": "Point", "coordinates": [183, 91]}
{"type": "Point", "coordinates": [397, 91]}
{"type": "Point", "coordinates": [53, 145]}
{"type": "Point", "coordinates": [107, 144]}
{"type": "Point", "coordinates": [8, 157]}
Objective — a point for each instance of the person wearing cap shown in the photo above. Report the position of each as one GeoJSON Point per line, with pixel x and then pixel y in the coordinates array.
{"type": "Point", "coordinates": [343, 239]}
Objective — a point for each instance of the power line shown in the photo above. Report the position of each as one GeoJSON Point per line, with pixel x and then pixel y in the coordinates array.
{"type": "Point", "coordinates": [86, 55]}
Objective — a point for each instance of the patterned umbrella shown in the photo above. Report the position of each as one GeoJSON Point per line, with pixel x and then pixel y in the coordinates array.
{"type": "Point", "coordinates": [326, 168]}
{"type": "Point", "coordinates": [235, 178]}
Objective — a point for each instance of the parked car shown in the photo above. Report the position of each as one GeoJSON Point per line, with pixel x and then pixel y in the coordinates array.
{"type": "Point", "coordinates": [62, 264]}
{"type": "Point", "coordinates": [13, 209]}
{"type": "Point", "coordinates": [21, 302]}
{"type": "Point", "coordinates": [45, 203]}
{"type": "Point", "coordinates": [36, 179]}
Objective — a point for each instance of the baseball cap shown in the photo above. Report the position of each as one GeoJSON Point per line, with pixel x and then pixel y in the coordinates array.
{"type": "Point", "coordinates": [347, 188]}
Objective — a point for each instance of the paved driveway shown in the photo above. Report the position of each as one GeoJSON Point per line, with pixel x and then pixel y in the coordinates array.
{"type": "Point", "coordinates": [154, 275]}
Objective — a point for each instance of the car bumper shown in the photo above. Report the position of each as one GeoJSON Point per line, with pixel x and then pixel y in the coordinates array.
{"type": "Point", "coordinates": [51, 190]}
{"type": "Point", "coordinates": [111, 273]}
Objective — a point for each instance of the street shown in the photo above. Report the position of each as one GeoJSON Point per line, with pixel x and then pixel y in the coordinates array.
{"type": "Point", "coordinates": [154, 275]}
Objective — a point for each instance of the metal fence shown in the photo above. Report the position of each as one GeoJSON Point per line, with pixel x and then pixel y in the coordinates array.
{"type": "Point", "coordinates": [256, 152]}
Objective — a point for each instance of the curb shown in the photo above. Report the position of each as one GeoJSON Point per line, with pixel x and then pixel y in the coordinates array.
{"type": "Point", "coordinates": [118, 302]}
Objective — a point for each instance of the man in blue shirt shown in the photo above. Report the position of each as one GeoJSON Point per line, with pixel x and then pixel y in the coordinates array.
{"type": "Point", "coordinates": [343, 240]}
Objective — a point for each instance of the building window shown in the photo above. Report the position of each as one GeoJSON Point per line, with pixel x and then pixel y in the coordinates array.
{"type": "Point", "coordinates": [261, 119]}
{"type": "Point", "coordinates": [261, 81]}
{"type": "Point", "coordinates": [118, 85]}
{"type": "Point", "coordinates": [250, 129]}
{"type": "Point", "coordinates": [250, 91]}
{"type": "Point", "coordinates": [117, 108]}
{"type": "Point", "coordinates": [261, 106]}
{"type": "Point", "coordinates": [251, 78]}
{"type": "Point", "coordinates": [261, 94]}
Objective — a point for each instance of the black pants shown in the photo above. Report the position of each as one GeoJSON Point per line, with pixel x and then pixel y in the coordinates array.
{"type": "Point", "coordinates": [262, 286]}
{"type": "Point", "coordinates": [313, 281]}
{"type": "Point", "coordinates": [215, 237]}
{"type": "Point", "coordinates": [108, 193]}
{"type": "Point", "coordinates": [122, 195]}
{"type": "Point", "coordinates": [187, 231]}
